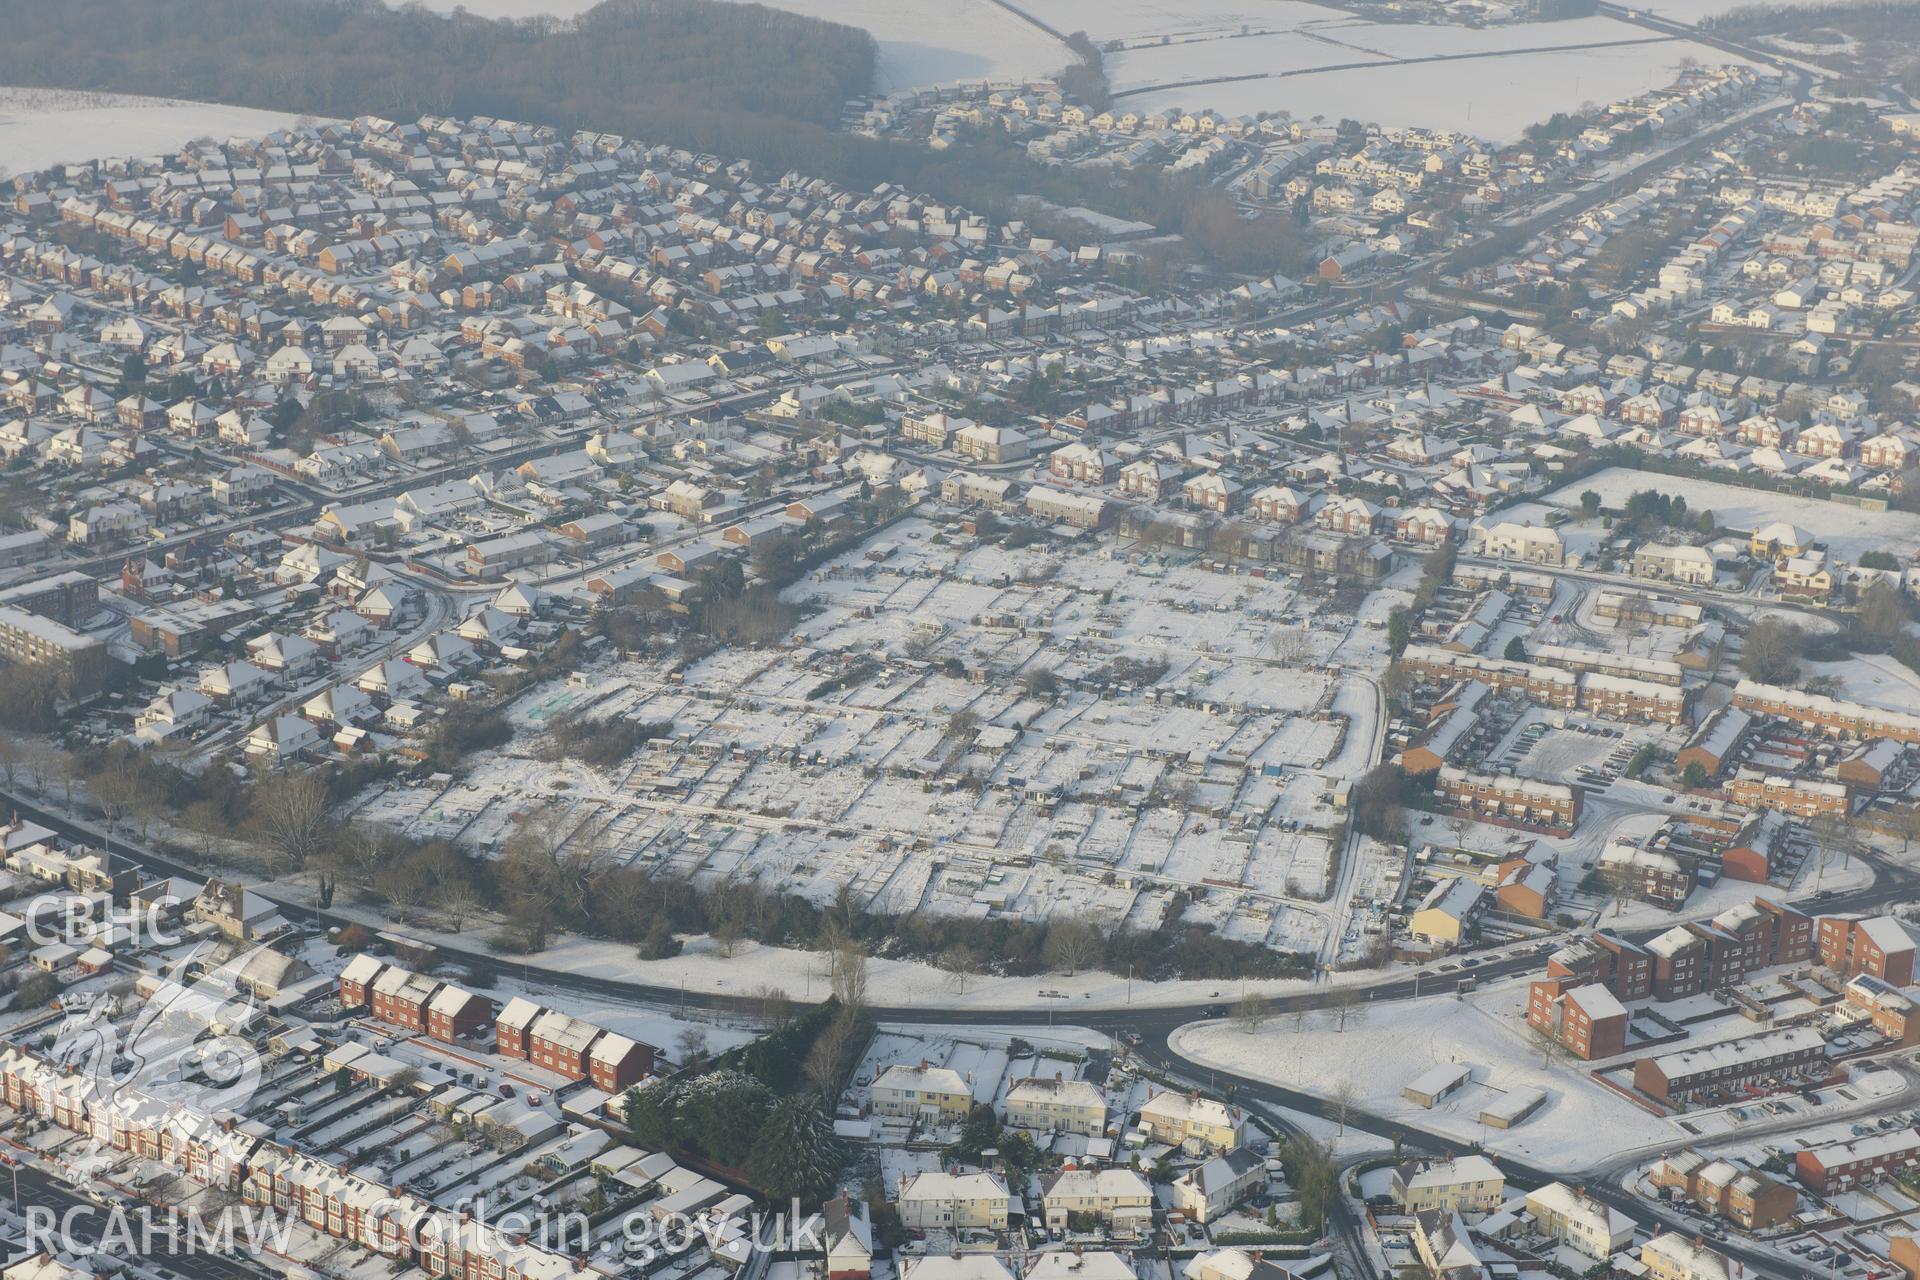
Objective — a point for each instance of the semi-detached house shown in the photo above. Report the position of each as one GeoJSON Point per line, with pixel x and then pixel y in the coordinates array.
{"type": "Point", "coordinates": [1589, 1225]}
{"type": "Point", "coordinates": [933, 1200]}
{"type": "Point", "coordinates": [1470, 1184]}
{"type": "Point", "coordinates": [922, 1092]}
{"type": "Point", "coordinates": [1057, 1105]}
{"type": "Point", "coordinates": [1120, 1198]}
{"type": "Point", "coordinates": [1182, 1118]}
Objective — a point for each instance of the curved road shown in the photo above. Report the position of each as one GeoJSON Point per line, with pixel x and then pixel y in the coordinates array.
{"type": "Point", "coordinates": [1154, 1026]}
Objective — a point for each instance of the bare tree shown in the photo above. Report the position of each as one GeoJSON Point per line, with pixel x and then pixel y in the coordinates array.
{"type": "Point", "coordinates": [1344, 1002]}
{"type": "Point", "coordinates": [13, 754]}
{"type": "Point", "coordinates": [66, 770]}
{"type": "Point", "coordinates": [457, 900]}
{"type": "Point", "coordinates": [549, 862]}
{"type": "Point", "coordinates": [1073, 945]}
{"type": "Point", "coordinates": [828, 1056]}
{"type": "Point", "coordinates": [1831, 832]}
{"type": "Point", "coordinates": [292, 818]}
{"type": "Point", "coordinates": [360, 849]}
{"type": "Point", "coordinates": [1547, 1042]}
{"type": "Point", "coordinates": [116, 791]}
{"type": "Point", "coordinates": [37, 765]}
{"type": "Point", "coordinates": [1250, 1012]}
{"type": "Point", "coordinates": [1905, 822]}
{"type": "Point", "coordinates": [850, 974]}
{"type": "Point", "coordinates": [1771, 651]}
{"type": "Point", "coordinates": [1287, 645]}
{"type": "Point", "coordinates": [1344, 1098]}
{"type": "Point", "coordinates": [959, 963]}
{"type": "Point", "coordinates": [404, 888]}
{"type": "Point", "coordinates": [692, 1045]}
{"type": "Point", "coordinates": [1039, 682]}
{"type": "Point", "coordinates": [962, 725]}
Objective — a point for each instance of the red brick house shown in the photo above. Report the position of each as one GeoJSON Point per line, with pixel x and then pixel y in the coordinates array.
{"type": "Point", "coordinates": [1877, 946]}
{"type": "Point", "coordinates": [616, 1063]}
{"type": "Point", "coordinates": [454, 1013]}
{"type": "Point", "coordinates": [510, 1029]}
{"type": "Point", "coordinates": [1589, 1021]}
{"type": "Point", "coordinates": [1857, 1162]}
{"type": "Point", "coordinates": [400, 997]}
{"type": "Point", "coordinates": [356, 980]}
{"type": "Point", "coordinates": [560, 1043]}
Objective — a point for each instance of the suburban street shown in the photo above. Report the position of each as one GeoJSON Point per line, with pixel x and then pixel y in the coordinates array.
{"type": "Point", "coordinates": [1155, 1025]}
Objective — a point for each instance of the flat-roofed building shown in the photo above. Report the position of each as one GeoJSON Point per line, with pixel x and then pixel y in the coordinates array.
{"type": "Point", "coordinates": [80, 662]}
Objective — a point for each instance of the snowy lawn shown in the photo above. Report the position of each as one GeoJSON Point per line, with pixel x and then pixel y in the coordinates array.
{"type": "Point", "coordinates": [1847, 531]}
{"type": "Point", "coordinates": [1874, 679]}
{"type": "Point", "coordinates": [1406, 1038]}
{"type": "Point", "coordinates": [1486, 1033]}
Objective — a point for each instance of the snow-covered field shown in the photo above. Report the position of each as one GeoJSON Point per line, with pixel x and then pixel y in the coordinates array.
{"type": "Point", "coordinates": [515, 8]}
{"type": "Point", "coordinates": [1138, 21]}
{"type": "Point", "coordinates": [1874, 679]}
{"type": "Point", "coordinates": [1496, 92]}
{"type": "Point", "coordinates": [1408, 1038]}
{"type": "Point", "coordinates": [939, 41]}
{"type": "Point", "coordinates": [1694, 12]}
{"type": "Point", "coordinates": [921, 41]}
{"type": "Point", "coordinates": [1487, 1033]}
{"type": "Point", "coordinates": [1847, 531]}
{"type": "Point", "coordinates": [42, 127]}
{"type": "Point", "coordinates": [1168, 42]}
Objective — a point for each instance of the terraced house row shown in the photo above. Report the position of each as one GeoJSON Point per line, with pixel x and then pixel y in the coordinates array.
{"type": "Point", "coordinates": [1617, 697]}
{"type": "Point", "coordinates": [427, 1006]}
